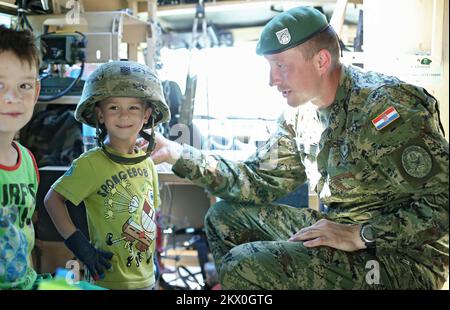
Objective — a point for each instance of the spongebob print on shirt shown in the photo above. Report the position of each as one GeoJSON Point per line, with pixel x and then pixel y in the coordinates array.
{"type": "Point", "coordinates": [139, 230]}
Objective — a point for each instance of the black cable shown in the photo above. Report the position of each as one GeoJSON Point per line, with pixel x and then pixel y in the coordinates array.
{"type": "Point", "coordinates": [64, 92]}
{"type": "Point", "coordinates": [189, 278]}
{"type": "Point", "coordinates": [68, 88]}
{"type": "Point", "coordinates": [28, 23]}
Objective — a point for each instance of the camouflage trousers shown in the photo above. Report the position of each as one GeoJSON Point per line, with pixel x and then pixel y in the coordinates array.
{"type": "Point", "coordinates": [251, 251]}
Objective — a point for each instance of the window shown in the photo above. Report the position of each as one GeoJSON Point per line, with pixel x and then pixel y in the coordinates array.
{"type": "Point", "coordinates": [5, 20]}
{"type": "Point", "coordinates": [235, 109]}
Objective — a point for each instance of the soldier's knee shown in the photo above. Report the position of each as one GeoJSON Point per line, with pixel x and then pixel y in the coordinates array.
{"type": "Point", "coordinates": [232, 265]}
{"type": "Point", "coordinates": [240, 270]}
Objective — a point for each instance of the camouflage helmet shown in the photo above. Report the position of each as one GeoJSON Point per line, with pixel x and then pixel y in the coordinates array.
{"type": "Point", "coordinates": [122, 79]}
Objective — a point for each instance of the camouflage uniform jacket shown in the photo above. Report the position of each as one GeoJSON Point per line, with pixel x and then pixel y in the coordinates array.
{"type": "Point", "coordinates": [395, 178]}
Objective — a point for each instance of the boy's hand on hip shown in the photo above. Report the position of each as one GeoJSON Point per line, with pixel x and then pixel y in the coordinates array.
{"type": "Point", "coordinates": [96, 260]}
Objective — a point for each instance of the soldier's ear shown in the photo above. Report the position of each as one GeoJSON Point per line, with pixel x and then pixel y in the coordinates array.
{"type": "Point", "coordinates": [323, 60]}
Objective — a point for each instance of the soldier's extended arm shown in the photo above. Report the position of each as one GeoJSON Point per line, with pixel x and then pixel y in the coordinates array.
{"type": "Point", "coordinates": [413, 156]}
{"type": "Point", "coordinates": [274, 170]}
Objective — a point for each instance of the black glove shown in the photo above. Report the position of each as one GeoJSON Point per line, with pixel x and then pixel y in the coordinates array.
{"type": "Point", "coordinates": [96, 260]}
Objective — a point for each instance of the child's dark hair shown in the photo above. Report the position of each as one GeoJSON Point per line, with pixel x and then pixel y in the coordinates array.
{"type": "Point", "coordinates": [21, 43]}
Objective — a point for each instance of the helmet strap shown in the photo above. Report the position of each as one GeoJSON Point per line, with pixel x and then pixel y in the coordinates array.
{"type": "Point", "coordinates": [98, 135]}
{"type": "Point", "coordinates": [150, 138]}
{"type": "Point", "coordinates": [124, 160]}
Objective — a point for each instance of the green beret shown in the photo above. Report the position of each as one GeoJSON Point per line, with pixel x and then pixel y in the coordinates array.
{"type": "Point", "coordinates": [289, 29]}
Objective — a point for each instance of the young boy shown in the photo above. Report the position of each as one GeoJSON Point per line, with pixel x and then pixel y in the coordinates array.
{"type": "Point", "coordinates": [117, 181]}
{"type": "Point", "coordinates": [19, 178]}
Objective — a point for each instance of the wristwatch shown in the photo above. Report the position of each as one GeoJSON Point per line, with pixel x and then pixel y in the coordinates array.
{"type": "Point", "coordinates": [367, 235]}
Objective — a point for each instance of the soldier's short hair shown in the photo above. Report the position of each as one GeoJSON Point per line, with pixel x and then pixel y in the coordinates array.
{"type": "Point", "coordinates": [22, 43]}
{"type": "Point", "coordinates": [326, 39]}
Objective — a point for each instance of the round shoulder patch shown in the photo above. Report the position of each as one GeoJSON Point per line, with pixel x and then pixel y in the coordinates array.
{"type": "Point", "coordinates": [416, 161]}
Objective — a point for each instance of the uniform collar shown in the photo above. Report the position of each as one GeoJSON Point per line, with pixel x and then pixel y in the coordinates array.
{"type": "Point", "coordinates": [328, 114]}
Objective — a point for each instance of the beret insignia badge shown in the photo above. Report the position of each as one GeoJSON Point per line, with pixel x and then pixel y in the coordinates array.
{"type": "Point", "coordinates": [284, 37]}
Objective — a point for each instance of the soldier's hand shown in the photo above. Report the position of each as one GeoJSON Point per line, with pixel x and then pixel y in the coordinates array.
{"type": "Point", "coordinates": [327, 233]}
{"type": "Point", "coordinates": [165, 150]}
{"type": "Point", "coordinates": [142, 143]}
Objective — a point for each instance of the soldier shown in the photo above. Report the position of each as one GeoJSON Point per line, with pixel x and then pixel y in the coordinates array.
{"type": "Point", "coordinates": [383, 165]}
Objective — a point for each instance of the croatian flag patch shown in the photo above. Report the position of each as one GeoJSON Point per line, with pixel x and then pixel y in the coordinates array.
{"type": "Point", "coordinates": [385, 118]}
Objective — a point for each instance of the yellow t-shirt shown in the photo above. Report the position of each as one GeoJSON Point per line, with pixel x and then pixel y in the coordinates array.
{"type": "Point", "coordinates": [120, 201]}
